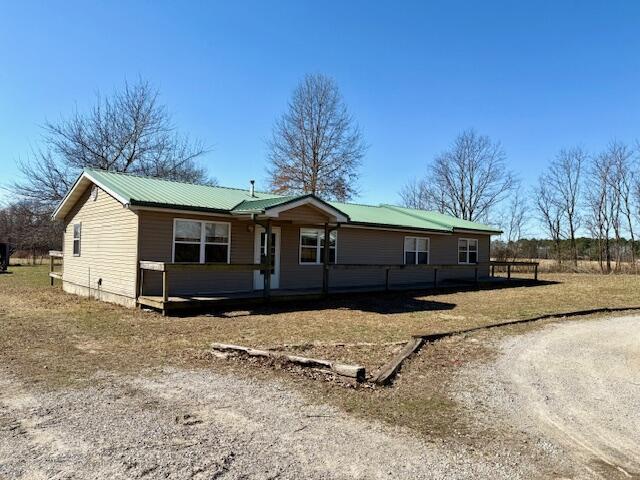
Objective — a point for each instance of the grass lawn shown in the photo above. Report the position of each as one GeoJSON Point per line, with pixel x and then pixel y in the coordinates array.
{"type": "Point", "coordinates": [51, 339]}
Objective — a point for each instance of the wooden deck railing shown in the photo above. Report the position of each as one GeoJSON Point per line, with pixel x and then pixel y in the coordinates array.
{"type": "Point", "coordinates": [167, 267]}
{"type": "Point", "coordinates": [389, 267]}
{"type": "Point", "coordinates": [515, 263]}
{"type": "Point", "coordinates": [53, 274]}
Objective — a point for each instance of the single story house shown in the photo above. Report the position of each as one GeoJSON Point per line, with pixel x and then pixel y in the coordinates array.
{"type": "Point", "coordinates": [124, 233]}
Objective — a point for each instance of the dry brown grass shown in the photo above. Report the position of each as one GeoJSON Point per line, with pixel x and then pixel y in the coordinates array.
{"type": "Point", "coordinates": [49, 338]}
{"type": "Point", "coordinates": [77, 336]}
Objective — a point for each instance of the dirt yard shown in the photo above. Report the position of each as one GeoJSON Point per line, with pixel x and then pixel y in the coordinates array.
{"type": "Point", "coordinates": [69, 364]}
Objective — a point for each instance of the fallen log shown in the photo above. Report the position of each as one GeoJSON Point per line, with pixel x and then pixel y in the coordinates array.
{"type": "Point", "coordinates": [352, 371]}
{"type": "Point", "coordinates": [388, 371]}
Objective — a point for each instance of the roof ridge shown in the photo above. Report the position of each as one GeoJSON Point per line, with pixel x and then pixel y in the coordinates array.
{"type": "Point", "coordinates": [184, 182]}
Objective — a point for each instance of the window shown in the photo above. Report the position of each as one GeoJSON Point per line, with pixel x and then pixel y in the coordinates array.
{"type": "Point", "coordinates": [416, 250]}
{"type": "Point", "coordinates": [467, 250]}
{"type": "Point", "coordinates": [312, 246]}
{"type": "Point", "coordinates": [77, 231]}
{"type": "Point", "coordinates": [201, 242]}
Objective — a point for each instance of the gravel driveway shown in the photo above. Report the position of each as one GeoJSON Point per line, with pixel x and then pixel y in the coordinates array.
{"type": "Point", "coordinates": [195, 424]}
{"type": "Point", "coordinates": [576, 384]}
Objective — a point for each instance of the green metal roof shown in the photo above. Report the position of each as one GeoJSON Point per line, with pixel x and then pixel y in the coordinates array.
{"type": "Point", "coordinates": [157, 192]}
{"type": "Point", "coordinates": [257, 206]}
{"type": "Point", "coordinates": [147, 191]}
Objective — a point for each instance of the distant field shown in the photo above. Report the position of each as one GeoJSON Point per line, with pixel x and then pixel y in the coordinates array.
{"type": "Point", "coordinates": [584, 266]}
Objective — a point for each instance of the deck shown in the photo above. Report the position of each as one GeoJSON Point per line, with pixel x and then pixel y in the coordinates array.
{"type": "Point", "coordinates": [174, 304]}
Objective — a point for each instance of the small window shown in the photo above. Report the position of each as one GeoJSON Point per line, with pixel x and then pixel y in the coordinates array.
{"type": "Point", "coordinates": [467, 250]}
{"type": "Point", "coordinates": [312, 246]}
{"type": "Point", "coordinates": [77, 232]}
{"type": "Point", "coordinates": [201, 242]}
{"type": "Point", "coordinates": [416, 250]}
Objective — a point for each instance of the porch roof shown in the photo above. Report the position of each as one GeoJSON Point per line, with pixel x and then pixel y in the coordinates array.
{"type": "Point", "coordinates": [134, 190]}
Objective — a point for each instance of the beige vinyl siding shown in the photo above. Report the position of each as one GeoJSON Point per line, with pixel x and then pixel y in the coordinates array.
{"type": "Point", "coordinates": [108, 246]}
{"type": "Point", "coordinates": [304, 214]}
{"type": "Point", "coordinates": [156, 243]}
{"type": "Point", "coordinates": [369, 246]}
{"type": "Point", "coordinates": [355, 245]}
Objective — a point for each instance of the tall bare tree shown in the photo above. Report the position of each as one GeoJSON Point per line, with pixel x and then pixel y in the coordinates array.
{"type": "Point", "coordinates": [514, 221]}
{"type": "Point", "coordinates": [315, 146]}
{"type": "Point", "coordinates": [602, 201]}
{"type": "Point", "coordinates": [467, 180]}
{"type": "Point", "coordinates": [550, 213]}
{"type": "Point", "coordinates": [565, 176]}
{"type": "Point", "coordinates": [129, 131]}
{"type": "Point", "coordinates": [622, 180]}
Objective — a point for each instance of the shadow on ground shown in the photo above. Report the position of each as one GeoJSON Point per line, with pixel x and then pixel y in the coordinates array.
{"type": "Point", "coordinates": [382, 302]}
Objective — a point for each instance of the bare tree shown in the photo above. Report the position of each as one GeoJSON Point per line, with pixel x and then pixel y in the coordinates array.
{"type": "Point", "coordinates": [550, 213]}
{"type": "Point", "coordinates": [467, 180]}
{"type": "Point", "coordinates": [413, 195]}
{"type": "Point", "coordinates": [602, 201]}
{"type": "Point", "coordinates": [28, 228]}
{"type": "Point", "coordinates": [315, 146]}
{"type": "Point", "coordinates": [129, 131]}
{"type": "Point", "coordinates": [564, 176]}
{"type": "Point", "coordinates": [514, 222]}
{"type": "Point", "coordinates": [622, 180]}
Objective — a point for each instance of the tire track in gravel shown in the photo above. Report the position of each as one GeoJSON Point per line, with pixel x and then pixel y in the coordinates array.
{"type": "Point", "coordinates": [579, 384]}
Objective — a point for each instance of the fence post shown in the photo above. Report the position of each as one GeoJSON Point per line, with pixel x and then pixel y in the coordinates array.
{"type": "Point", "coordinates": [535, 272]}
{"type": "Point", "coordinates": [509, 271]}
{"type": "Point", "coordinates": [51, 268]}
{"type": "Point", "coordinates": [493, 271]}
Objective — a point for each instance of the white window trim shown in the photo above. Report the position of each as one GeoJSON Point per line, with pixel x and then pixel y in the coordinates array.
{"type": "Point", "coordinates": [477, 250]}
{"type": "Point", "coordinates": [404, 253]}
{"type": "Point", "coordinates": [202, 242]}
{"type": "Point", "coordinates": [318, 247]}
{"type": "Point", "coordinates": [73, 243]}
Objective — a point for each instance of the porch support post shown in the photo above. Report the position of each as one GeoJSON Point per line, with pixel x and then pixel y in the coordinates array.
{"type": "Point", "coordinates": [325, 265]}
{"type": "Point", "coordinates": [141, 286]}
{"type": "Point", "coordinates": [269, 261]}
{"type": "Point", "coordinates": [165, 285]}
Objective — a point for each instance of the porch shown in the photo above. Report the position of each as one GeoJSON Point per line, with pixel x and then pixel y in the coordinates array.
{"type": "Point", "coordinates": [167, 302]}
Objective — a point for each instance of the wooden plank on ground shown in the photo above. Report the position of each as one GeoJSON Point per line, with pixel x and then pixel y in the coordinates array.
{"type": "Point", "coordinates": [388, 371]}
{"type": "Point", "coordinates": [352, 371]}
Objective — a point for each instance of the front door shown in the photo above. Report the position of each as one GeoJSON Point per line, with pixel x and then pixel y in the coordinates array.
{"type": "Point", "coordinates": [260, 243]}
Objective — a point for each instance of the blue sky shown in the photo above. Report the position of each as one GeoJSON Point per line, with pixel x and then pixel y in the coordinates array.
{"type": "Point", "coordinates": [535, 75]}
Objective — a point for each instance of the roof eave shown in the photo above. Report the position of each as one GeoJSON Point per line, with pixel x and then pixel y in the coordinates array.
{"type": "Point", "coordinates": [191, 208]}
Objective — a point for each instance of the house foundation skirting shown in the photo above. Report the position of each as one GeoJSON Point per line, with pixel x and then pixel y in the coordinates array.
{"type": "Point", "coordinates": [98, 294]}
